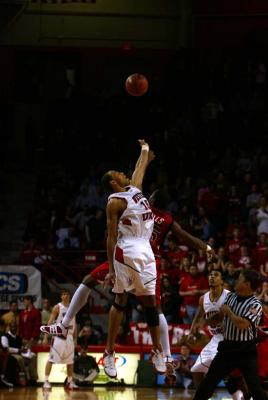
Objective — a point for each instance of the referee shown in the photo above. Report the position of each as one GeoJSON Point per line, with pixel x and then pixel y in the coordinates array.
{"type": "Point", "coordinates": [242, 313]}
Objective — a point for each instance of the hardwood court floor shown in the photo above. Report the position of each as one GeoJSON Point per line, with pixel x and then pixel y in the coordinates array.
{"type": "Point", "coordinates": [103, 393]}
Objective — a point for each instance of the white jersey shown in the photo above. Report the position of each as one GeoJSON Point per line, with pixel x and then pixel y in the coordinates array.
{"type": "Point", "coordinates": [62, 312]}
{"type": "Point", "coordinates": [211, 308]}
{"type": "Point", "coordinates": [137, 219]}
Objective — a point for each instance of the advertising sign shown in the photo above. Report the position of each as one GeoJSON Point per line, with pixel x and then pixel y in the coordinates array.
{"type": "Point", "coordinates": [126, 365]}
{"type": "Point", "coordinates": [17, 281]}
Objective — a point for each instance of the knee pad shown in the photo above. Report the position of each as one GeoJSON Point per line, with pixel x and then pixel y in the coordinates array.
{"type": "Point", "coordinates": [151, 316]}
{"type": "Point", "coordinates": [119, 307]}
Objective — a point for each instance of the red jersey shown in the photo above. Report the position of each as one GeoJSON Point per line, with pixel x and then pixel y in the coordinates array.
{"type": "Point", "coordinates": [162, 224]}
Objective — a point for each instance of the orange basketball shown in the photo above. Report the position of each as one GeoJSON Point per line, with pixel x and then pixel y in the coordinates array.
{"type": "Point", "coordinates": [136, 85]}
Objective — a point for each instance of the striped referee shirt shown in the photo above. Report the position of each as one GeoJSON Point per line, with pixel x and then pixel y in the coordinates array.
{"type": "Point", "coordinates": [245, 307]}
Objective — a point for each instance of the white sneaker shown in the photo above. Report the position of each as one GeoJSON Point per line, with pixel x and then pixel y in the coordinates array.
{"type": "Point", "coordinates": [55, 330]}
{"type": "Point", "coordinates": [46, 385]}
{"type": "Point", "coordinates": [109, 365]}
{"type": "Point", "coordinates": [158, 361]}
{"type": "Point", "coordinates": [71, 386]}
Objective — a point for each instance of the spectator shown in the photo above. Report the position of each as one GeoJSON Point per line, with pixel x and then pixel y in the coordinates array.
{"type": "Point", "coordinates": [263, 296]}
{"type": "Point", "coordinates": [26, 360]}
{"type": "Point", "coordinates": [29, 322]}
{"type": "Point", "coordinates": [86, 369]}
{"type": "Point", "coordinates": [88, 336]}
{"type": "Point", "coordinates": [11, 316]}
{"type": "Point", "coordinates": [262, 216]}
{"type": "Point", "coordinates": [260, 252]}
{"type": "Point", "coordinates": [232, 247]}
{"type": "Point", "coordinates": [4, 356]}
{"type": "Point", "coordinates": [230, 275]}
{"type": "Point", "coordinates": [183, 369]}
{"type": "Point", "coordinates": [192, 287]}
{"type": "Point", "coordinates": [94, 230]}
{"type": "Point", "coordinates": [244, 260]}
{"type": "Point", "coordinates": [46, 311]}
{"type": "Point", "coordinates": [169, 300]}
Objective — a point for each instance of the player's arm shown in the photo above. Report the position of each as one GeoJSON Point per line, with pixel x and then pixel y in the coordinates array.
{"type": "Point", "coordinates": [141, 165]}
{"type": "Point", "coordinates": [190, 240]}
{"type": "Point", "coordinates": [114, 210]}
{"type": "Point", "coordinates": [239, 322]}
{"type": "Point", "coordinates": [53, 316]}
{"type": "Point", "coordinates": [199, 315]}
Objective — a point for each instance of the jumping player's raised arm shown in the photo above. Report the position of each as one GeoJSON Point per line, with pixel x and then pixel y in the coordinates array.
{"type": "Point", "coordinates": [141, 165]}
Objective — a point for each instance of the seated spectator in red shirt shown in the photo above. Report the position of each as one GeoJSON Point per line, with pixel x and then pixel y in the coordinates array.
{"type": "Point", "coordinates": [192, 287]}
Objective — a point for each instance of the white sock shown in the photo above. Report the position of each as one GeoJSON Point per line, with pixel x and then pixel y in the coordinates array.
{"type": "Point", "coordinates": [70, 379]}
{"type": "Point", "coordinates": [78, 301]}
{"type": "Point", "coordinates": [164, 337]}
{"type": "Point", "coordinates": [238, 395]}
{"type": "Point", "coordinates": [46, 378]}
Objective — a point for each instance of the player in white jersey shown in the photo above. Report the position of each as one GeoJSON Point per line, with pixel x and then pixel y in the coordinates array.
{"type": "Point", "coordinates": [62, 350]}
{"type": "Point", "coordinates": [209, 310]}
{"type": "Point", "coordinates": [131, 260]}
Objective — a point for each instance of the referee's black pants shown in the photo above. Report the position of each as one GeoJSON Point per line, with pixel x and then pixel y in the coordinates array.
{"type": "Point", "coordinates": [232, 355]}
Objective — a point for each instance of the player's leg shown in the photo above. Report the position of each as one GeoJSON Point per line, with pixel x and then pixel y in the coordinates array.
{"type": "Point", "coordinates": [203, 361]}
{"type": "Point", "coordinates": [220, 366]}
{"type": "Point", "coordinates": [116, 315]}
{"type": "Point", "coordinates": [78, 301]}
{"type": "Point", "coordinates": [48, 369]}
{"type": "Point", "coordinates": [70, 385]}
{"type": "Point", "coordinates": [164, 339]}
{"type": "Point", "coordinates": [152, 319]}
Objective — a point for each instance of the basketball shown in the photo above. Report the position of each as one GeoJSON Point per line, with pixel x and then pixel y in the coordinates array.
{"type": "Point", "coordinates": [136, 85]}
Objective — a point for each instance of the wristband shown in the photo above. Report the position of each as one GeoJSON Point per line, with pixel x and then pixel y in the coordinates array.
{"type": "Point", "coordinates": [145, 147]}
{"type": "Point", "coordinates": [209, 248]}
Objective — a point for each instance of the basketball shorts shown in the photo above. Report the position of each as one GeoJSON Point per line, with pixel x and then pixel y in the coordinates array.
{"type": "Point", "coordinates": [62, 351]}
{"type": "Point", "coordinates": [207, 354]}
{"type": "Point", "coordinates": [135, 269]}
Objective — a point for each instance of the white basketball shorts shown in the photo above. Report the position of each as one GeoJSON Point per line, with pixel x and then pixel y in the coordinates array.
{"type": "Point", "coordinates": [135, 267]}
{"type": "Point", "coordinates": [62, 351]}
